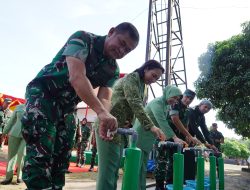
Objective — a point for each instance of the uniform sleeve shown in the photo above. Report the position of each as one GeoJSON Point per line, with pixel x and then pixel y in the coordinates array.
{"type": "Point", "coordinates": [133, 96]}
{"type": "Point", "coordinates": [221, 136]}
{"type": "Point", "coordinates": [161, 119]}
{"type": "Point", "coordinates": [1, 118]}
{"type": "Point", "coordinates": [194, 131]}
{"type": "Point", "coordinates": [10, 123]}
{"type": "Point", "coordinates": [77, 47]}
{"type": "Point", "coordinates": [112, 81]}
{"type": "Point", "coordinates": [205, 130]}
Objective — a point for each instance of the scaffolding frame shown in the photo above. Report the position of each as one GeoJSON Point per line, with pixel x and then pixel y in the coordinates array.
{"type": "Point", "coordinates": [165, 43]}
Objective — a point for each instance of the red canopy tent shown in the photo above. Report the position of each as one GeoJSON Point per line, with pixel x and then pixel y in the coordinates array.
{"type": "Point", "coordinates": [14, 103]}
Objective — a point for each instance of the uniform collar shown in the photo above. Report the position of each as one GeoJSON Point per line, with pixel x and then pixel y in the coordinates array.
{"type": "Point", "coordinates": [99, 44]}
{"type": "Point", "coordinates": [198, 110]}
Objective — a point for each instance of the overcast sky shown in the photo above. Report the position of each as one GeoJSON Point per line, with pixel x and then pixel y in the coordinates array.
{"type": "Point", "coordinates": [32, 32]}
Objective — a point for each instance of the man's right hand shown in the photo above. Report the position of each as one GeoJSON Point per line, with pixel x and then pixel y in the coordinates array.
{"type": "Point", "coordinates": [179, 141]}
{"type": "Point", "coordinates": [107, 122]}
{"type": "Point", "coordinates": [192, 140]}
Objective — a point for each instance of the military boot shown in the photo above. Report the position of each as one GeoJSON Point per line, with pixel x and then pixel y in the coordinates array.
{"type": "Point", "coordinates": [159, 185]}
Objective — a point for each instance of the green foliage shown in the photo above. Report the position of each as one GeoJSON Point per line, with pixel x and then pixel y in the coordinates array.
{"type": "Point", "coordinates": [234, 149]}
{"type": "Point", "coordinates": [225, 80]}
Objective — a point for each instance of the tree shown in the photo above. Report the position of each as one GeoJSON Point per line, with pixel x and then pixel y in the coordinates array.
{"type": "Point", "coordinates": [225, 80]}
{"type": "Point", "coordinates": [234, 149]}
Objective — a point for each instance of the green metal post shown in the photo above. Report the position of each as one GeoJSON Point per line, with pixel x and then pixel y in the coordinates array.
{"type": "Point", "coordinates": [178, 171]}
{"type": "Point", "coordinates": [212, 173]}
{"type": "Point", "coordinates": [200, 172]}
{"type": "Point", "coordinates": [131, 166]}
{"type": "Point", "coordinates": [221, 173]}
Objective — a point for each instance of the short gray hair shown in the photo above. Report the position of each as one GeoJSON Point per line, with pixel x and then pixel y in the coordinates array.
{"type": "Point", "coordinates": [206, 102]}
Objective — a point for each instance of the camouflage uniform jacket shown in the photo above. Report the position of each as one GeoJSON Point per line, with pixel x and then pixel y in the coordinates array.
{"type": "Point", "coordinates": [53, 79]}
{"type": "Point", "coordinates": [4, 117]}
{"type": "Point", "coordinates": [85, 132]}
{"type": "Point", "coordinates": [182, 111]}
{"type": "Point", "coordinates": [127, 102]}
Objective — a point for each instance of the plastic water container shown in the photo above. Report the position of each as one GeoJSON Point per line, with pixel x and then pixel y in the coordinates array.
{"type": "Point", "coordinates": [188, 188]}
{"type": "Point", "coordinates": [192, 184]}
{"type": "Point", "coordinates": [206, 180]}
{"type": "Point", "coordinates": [171, 187]}
{"type": "Point", "coordinates": [206, 186]}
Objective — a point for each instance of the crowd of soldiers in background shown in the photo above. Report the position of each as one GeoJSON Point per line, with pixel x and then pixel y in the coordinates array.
{"type": "Point", "coordinates": [11, 135]}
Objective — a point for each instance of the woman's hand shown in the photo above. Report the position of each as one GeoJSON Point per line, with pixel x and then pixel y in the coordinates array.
{"type": "Point", "coordinates": [158, 133]}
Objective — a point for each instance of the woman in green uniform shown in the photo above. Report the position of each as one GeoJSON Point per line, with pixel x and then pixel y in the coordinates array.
{"type": "Point", "coordinates": [16, 146]}
{"type": "Point", "coordinates": [126, 103]}
{"type": "Point", "coordinates": [157, 110]}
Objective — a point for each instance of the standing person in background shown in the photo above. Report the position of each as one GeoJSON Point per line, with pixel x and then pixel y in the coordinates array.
{"type": "Point", "coordinates": [126, 104]}
{"type": "Point", "coordinates": [4, 117]}
{"type": "Point", "coordinates": [157, 110]}
{"type": "Point", "coordinates": [83, 132]}
{"type": "Point", "coordinates": [85, 62]}
{"type": "Point", "coordinates": [16, 145]}
{"type": "Point", "coordinates": [71, 123]}
{"type": "Point", "coordinates": [93, 150]}
{"type": "Point", "coordinates": [216, 136]}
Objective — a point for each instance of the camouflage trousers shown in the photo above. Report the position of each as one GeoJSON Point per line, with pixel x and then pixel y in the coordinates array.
{"type": "Point", "coordinates": [164, 164]}
{"type": "Point", "coordinates": [48, 133]}
{"type": "Point", "coordinates": [81, 147]}
{"type": "Point", "coordinates": [94, 151]}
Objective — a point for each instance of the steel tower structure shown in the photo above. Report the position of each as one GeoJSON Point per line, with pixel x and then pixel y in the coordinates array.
{"type": "Point", "coordinates": [165, 43]}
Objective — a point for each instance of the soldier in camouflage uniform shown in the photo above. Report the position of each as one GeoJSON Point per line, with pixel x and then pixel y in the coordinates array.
{"type": "Point", "coordinates": [177, 117]}
{"type": "Point", "coordinates": [5, 114]}
{"type": "Point", "coordinates": [157, 110]}
{"type": "Point", "coordinates": [93, 150]}
{"type": "Point", "coordinates": [85, 62]}
{"type": "Point", "coordinates": [127, 103]}
{"type": "Point", "coordinates": [82, 143]}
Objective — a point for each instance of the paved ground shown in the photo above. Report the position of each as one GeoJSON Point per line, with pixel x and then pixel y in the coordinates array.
{"type": "Point", "coordinates": [235, 179]}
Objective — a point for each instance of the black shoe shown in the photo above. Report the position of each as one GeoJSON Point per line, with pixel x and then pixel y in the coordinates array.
{"type": "Point", "coordinates": [91, 169]}
{"type": "Point", "coordinates": [6, 182]}
{"type": "Point", "coordinates": [18, 181]}
{"type": "Point", "coordinates": [159, 185]}
{"type": "Point", "coordinates": [68, 172]}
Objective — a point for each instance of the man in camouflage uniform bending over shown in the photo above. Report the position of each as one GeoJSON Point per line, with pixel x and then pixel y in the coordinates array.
{"type": "Point", "coordinates": [85, 62]}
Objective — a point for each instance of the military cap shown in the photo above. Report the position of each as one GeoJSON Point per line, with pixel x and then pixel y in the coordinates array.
{"type": "Point", "coordinates": [189, 93]}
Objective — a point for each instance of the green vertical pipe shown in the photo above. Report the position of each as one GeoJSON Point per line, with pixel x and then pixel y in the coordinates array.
{"type": "Point", "coordinates": [200, 173]}
{"type": "Point", "coordinates": [178, 171]}
{"type": "Point", "coordinates": [212, 172]}
{"type": "Point", "coordinates": [221, 173]}
{"type": "Point", "coordinates": [132, 164]}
